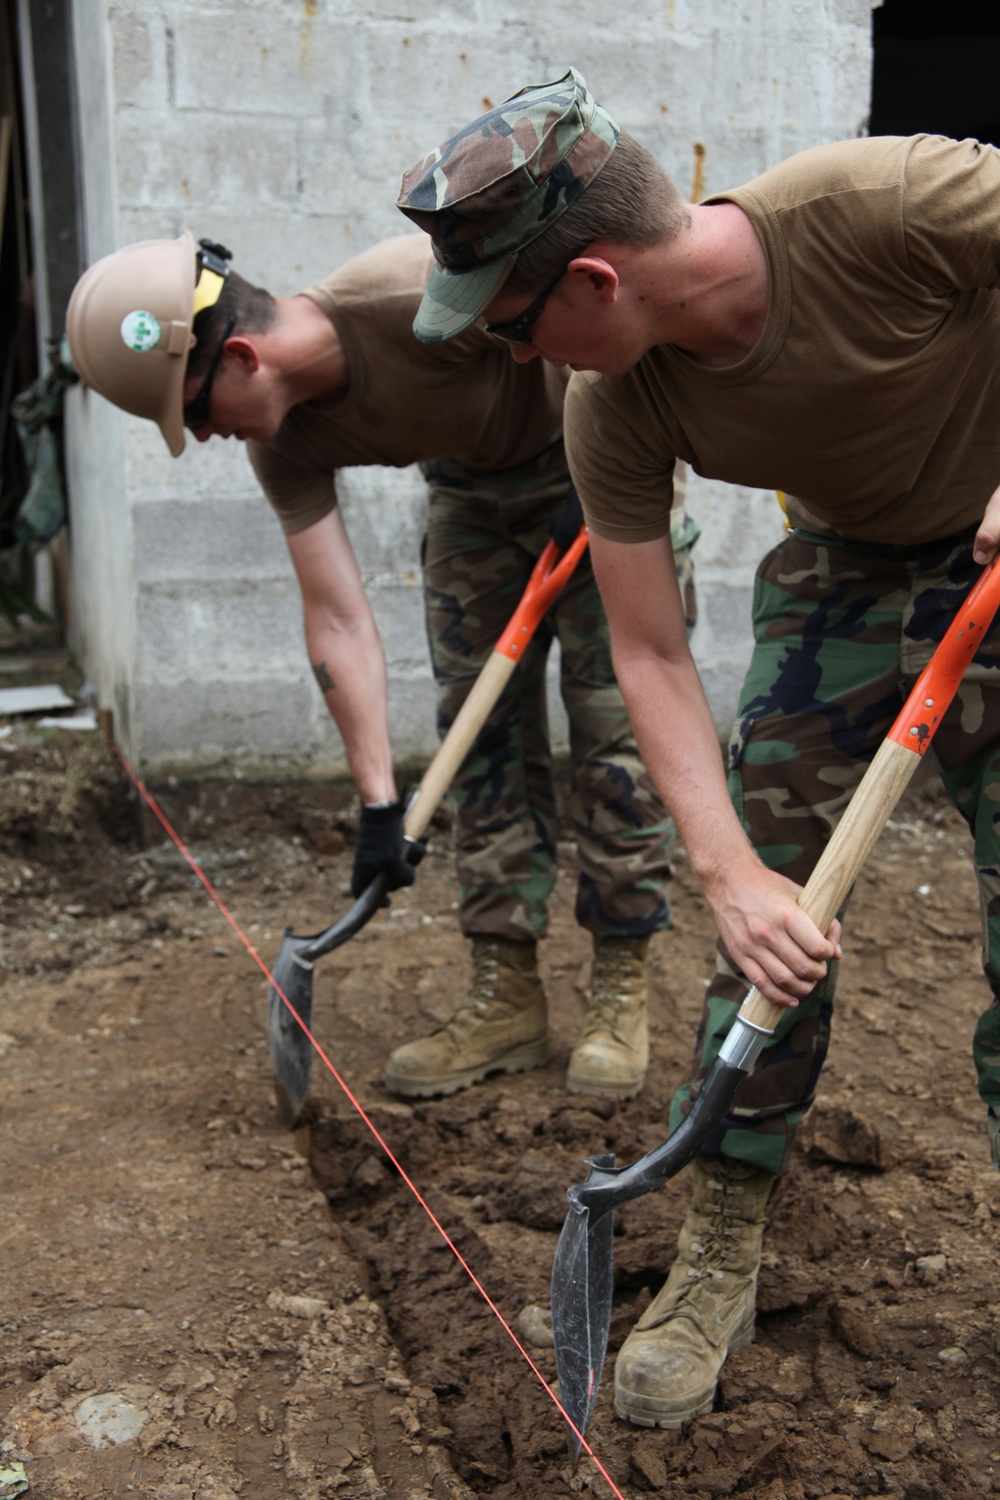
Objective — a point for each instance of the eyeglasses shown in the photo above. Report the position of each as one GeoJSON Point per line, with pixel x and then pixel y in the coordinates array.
{"type": "Point", "coordinates": [196, 412]}
{"type": "Point", "coordinates": [519, 330]}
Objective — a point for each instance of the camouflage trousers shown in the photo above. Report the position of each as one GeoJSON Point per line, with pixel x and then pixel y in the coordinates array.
{"type": "Point", "coordinates": [841, 632]}
{"type": "Point", "coordinates": [485, 532]}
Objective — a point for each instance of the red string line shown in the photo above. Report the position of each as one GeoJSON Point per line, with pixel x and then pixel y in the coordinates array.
{"type": "Point", "coordinates": [372, 1127]}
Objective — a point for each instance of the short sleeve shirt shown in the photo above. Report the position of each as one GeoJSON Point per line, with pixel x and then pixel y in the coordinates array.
{"type": "Point", "coordinates": [873, 393]}
{"type": "Point", "coordinates": [463, 399]}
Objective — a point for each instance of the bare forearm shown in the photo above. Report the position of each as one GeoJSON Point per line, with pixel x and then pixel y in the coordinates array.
{"type": "Point", "coordinates": [350, 669]}
{"type": "Point", "coordinates": [767, 934]}
{"type": "Point", "coordinates": [345, 651]}
{"type": "Point", "coordinates": [680, 746]}
{"type": "Point", "coordinates": [755, 909]}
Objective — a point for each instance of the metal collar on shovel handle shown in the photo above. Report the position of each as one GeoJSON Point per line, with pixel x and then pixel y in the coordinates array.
{"type": "Point", "coordinates": [291, 1049]}
{"type": "Point", "coordinates": [582, 1273]}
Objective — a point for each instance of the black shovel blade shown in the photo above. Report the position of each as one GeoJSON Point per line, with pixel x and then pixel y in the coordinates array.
{"type": "Point", "coordinates": [290, 1047]}
{"type": "Point", "coordinates": [582, 1273]}
{"type": "Point", "coordinates": [581, 1307]}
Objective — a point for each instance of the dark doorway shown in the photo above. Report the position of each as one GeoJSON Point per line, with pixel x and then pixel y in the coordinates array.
{"type": "Point", "coordinates": [18, 350]}
{"type": "Point", "coordinates": [40, 259]}
{"type": "Point", "coordinates": [936, 66]}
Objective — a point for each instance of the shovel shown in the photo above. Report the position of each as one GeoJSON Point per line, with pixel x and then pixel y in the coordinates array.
{"type": "Point", "coordinates": [290, 995]}
{"type": "Point", "coordinates": [582, 1270]}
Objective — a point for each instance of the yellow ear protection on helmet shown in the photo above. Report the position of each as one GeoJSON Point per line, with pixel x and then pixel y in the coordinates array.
{"type": "Point", "coordinates": [784, 508]}
{"type": "Point", "coordinates": [213, 268]}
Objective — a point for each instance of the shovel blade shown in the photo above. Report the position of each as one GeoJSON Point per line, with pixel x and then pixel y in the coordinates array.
{"type": "Point", "coordinates": [582, 1281]}
{"type": "Point", "coordinates": [290, 1047]}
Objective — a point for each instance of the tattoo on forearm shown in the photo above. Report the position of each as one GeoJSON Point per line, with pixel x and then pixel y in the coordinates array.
{"type": "Point", "coordinates": [322, 676]}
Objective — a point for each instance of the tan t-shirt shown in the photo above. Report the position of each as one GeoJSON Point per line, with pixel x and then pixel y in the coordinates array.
{"type": "Point", "coordinates": [873, 394]}
{"type": "Point", "coordinates": [464, 398]}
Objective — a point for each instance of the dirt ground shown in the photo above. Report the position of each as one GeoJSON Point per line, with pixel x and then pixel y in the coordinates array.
{"type": "Point", "coordinates": [196, 1303]}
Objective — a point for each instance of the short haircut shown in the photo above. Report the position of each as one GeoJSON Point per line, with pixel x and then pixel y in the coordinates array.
{"type": "Point", "coordinates": [253, 309]}
{"type": "Point", "coordinates": [631, 201]}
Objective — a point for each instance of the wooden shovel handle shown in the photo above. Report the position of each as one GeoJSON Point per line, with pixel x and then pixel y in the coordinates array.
{"type": "Point", "coordinates": [886, 778]}
{"type": "Point", "coordinates": [547, 580]}
{"type": "Point", "coordinates": [457, 742]}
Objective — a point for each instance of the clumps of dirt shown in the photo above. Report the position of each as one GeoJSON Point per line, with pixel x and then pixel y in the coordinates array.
{"type": "Point", "coordinates": [134, 1015]}
{"type": "Point", "coordinates": [58, 802]}
{"type": "Point", "coordinates": [875, 1369]}
{"type": "Point", "coordinates": [76, 834]}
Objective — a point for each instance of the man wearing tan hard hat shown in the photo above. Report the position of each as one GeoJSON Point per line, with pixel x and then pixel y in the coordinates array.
{"type": "Point", "coordinates": [135, 356]}
{"type": "Point", "coordinates": [334, 378]}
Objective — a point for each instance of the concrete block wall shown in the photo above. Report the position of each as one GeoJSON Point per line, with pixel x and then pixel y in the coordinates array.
{"type": "Point", "coordinates": [282, 127]}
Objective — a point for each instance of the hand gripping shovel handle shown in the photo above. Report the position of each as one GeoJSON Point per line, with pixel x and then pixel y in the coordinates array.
{"type": "Point", "coordinates": [549, 577]}
{"type": "Point", "coordinates": [291, 1049]}
{"type": "Point", "coordinates": [582, 1270]}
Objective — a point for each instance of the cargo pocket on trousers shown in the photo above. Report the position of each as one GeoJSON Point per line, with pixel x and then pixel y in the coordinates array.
{"type": "Point", "coordinates": [738, 740]}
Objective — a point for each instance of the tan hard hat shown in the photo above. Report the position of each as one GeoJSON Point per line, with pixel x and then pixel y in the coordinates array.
{"type": "Point", "coordinates": [128, 326]}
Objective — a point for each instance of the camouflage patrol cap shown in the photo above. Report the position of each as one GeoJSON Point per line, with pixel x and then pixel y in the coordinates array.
{"type": "Point", "coordinates": [497, 185]}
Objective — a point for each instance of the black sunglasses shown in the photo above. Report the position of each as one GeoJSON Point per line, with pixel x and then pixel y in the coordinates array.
{"type": "Point", "coordinates": [519, 330]}
{"type": "Point", "coordinates": [196, 411]}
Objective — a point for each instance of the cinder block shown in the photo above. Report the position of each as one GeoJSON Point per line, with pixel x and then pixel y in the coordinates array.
{"type": "Point", "coordinates": [399, 614]}
{"type": "Point", "coordinates": [194, 159]}
{"type": "Point", "coordinates": [139, 57]}
{"type": "Point", "coordinates": [152, 221]}
{"type": "Point", "coordinates": [410, 11]}
{"type": "Point", "coordinates": [639, 79]}
{"type": "Point", "coordinates": [263, 63]}
{"type": "Point", "coordinates": [367, 193]}
{"type": "Point", "coordinates": [385, 513]}
{"type": "Point", "coordinates": [412, 717]}
{"type": "Point", "coordinates": [197, 631]}
{"type": "Point", "coordinates": [218, 467]}
{"type": "Point", "coordinates": [224, 718]}
{"type": "Point", "coordinates": [208, 542]}
{"type": "Point", "coordinates": [428, 83]}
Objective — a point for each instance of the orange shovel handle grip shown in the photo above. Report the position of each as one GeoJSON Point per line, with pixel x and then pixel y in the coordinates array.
{"type": "Point", "coordinates": [545, 583]}
{"type": "Point", "coordinates": [938, 682]}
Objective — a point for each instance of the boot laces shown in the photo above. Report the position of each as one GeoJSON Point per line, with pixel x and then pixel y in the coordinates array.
{"type": "Point", "coordinates": [712, 1255]}
{"type": "Point", "coordinates": [483, 987]}
{"type": "Point", "coordinates": [616, 978]}
{"type": "Point", "coordinates": [486, 996]}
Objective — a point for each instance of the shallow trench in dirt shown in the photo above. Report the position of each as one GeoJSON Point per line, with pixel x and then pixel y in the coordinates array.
{"type": "Point", "coordinates": [875, 1370]}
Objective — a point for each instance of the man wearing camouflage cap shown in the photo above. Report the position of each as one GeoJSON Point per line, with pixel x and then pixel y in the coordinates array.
{"type": "Point", "coordinates": [331, 379]}
{"type": "Point", "coordinates": [831, 330]}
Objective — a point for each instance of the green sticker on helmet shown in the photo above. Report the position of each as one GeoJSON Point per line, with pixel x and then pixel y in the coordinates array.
{"type": "Point", "coordinates": [141, 331]}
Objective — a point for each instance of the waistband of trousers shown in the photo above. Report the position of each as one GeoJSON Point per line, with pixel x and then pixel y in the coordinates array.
{"type": "Point", "coordinates": [907, 552]}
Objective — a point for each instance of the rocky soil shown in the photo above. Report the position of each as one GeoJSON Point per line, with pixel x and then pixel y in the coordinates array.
{"type": "Point", "coordinates": [197, 1303]}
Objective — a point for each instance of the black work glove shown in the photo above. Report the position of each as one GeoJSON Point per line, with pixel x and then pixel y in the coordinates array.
{"type": "Point", "coordinates": [564, 527]}
{"type": "Point", "coordinates": [380, 849]}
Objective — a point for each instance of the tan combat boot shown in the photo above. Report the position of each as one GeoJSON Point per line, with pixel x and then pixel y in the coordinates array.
{"type": "Point", "coordinates": [612, 1055]}
{"type": "Point", "coordinates": [500, 1027]}
{"type": "Point", "coordinates": [668, 1366]}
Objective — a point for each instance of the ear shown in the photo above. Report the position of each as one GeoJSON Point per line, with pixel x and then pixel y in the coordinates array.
{"type": "Point", "coordinates": [599, 273]}
{"type": "Point", "coordinates": [239, 347]}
